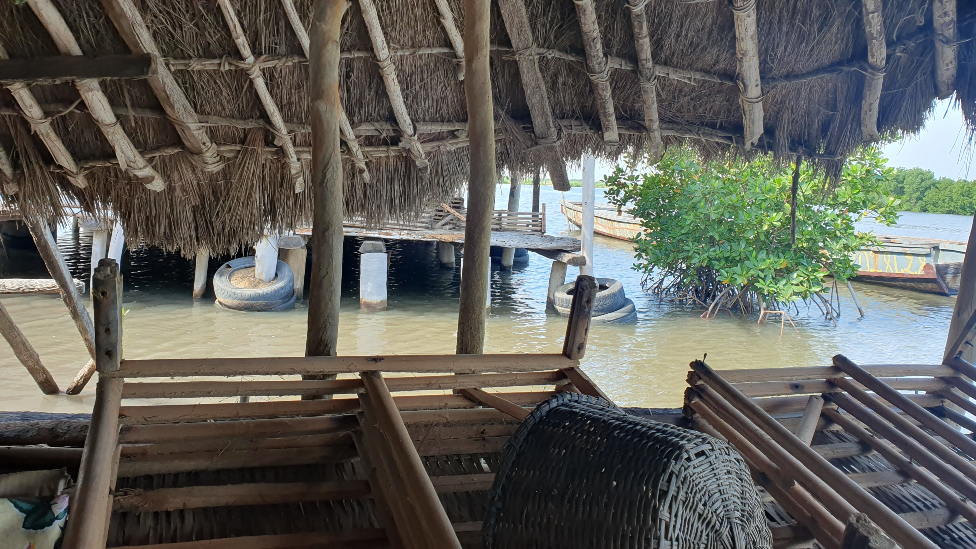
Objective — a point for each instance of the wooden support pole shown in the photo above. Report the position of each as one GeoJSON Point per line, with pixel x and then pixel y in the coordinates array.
{"type": "Point", "coordinates": [420, 491]}
{"type": "Point", "coordinates": [874, 75]}
{"type": "Point", "coordinates": [326, 277]}
{"type": "Point", "coordinates": [580, 313]}
{"type": "Point", "coordinates": [861, 533]}
{"type": "Point", "coordinates": [26, 354]}
{"type": "Point", "coordinates": [200, 272]}
{"type": "Point", "coordinates": [946, 62]}
{"type": "Point", "coordinates": [808, 423]}
{"type": "Point", "coordinates": [965, 305]}
{"type": "Point", "coordinates": [544, 124]}
{"type": "Point", "coordinates": [514, 194]}
{"type": "Point", "coordinates": [88, 525]}
{"type": "Point", "coordinates": [494, 401]}
{"type": "Point", "coordinates": [261, 87]}
{"type": "Point", "coordinates": [98, 105]}
{"type": "Point", "coordinates": [598, 69]}
{"type": "Point", "coordinates": [747, 58]}
{"type": "Point", "coordinates": [648, 79]}
{"type": "Point", "coordinates": [476, 266]}
{"type": "Point", "coordinates": [536, 189]}
{"type": "Point", "coordinates": [457, 42]}
{"type": "Point", "coordinates": [408, 134]}
{"type": "Point", "coordinates": [56, 69]}
{"type": "Point", "coordinates": [894, 525]}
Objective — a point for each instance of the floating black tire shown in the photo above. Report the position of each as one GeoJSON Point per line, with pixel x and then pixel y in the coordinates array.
{"type": "Point", "coordinates": [624, 315]}
{"type": "Point", "coordinates": [610, 298]}
{"type": "Point", "coordinates": [277, 296]}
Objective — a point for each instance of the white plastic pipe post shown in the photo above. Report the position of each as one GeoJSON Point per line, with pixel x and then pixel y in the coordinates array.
{"type": "Point", "coordinates": [117, 243]}
{"type": "Point", "coordinates": [266, 258]}
{"type": "Point", "coordinates": [200, 273]}
{"type": "Point", "coordinates": [98, 249]}
{"type": "Point", "coordinates": [373, 273]}
{"type": "Point", "coordinates": [589, 198]}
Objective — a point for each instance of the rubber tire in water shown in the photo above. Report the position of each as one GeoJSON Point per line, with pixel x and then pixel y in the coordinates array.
{"type": "Point", "coordinates": [625, 315]}
{"type": "Point", "coordinates": [606, 301]}
{"type": "Point", "coordinates": [271, 297]}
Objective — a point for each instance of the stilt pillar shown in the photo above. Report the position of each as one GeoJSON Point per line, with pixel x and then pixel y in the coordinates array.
{"type": "Point", "coordinates": [373, 271]}
{"type": "Point", "coordinates": [481, 186]}
{"type": "Point", "coordinates": [487, 286]}
{"type": "Point", "coordinates": [557, 277]}
{"type": "Point", "coordinates": [200, 273]}
{"type": "Point", "coordinates": [446, 252]}
{"type": "Point", "coordinates": [266, 258]}
{"type": "Point", "coordinates": [117, 244]}
{"type": "Point", "coordinates": [588, 213]}
{"type": "Point", "coordinates": [296, 257]}
{"type": "Point", "coordinates": [99, 248]}
{"type": "Point", "coordinates": [514, 193]}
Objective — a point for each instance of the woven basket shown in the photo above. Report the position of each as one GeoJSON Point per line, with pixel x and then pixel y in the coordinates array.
{"type": "Point", "coordinates": [581, 473]}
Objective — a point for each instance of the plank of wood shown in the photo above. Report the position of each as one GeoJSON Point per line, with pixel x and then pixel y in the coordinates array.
{"type": "Point", "coordinates": [584, 384]}
{"type": "Point", "coordinates": [747, 59]}
{"type": "Point", "coordinates": [817, 386]}
{"type": "Point", "coordinates": [274, 441]}
{"type": "Point", "coordinates": [487, 399]}
{"type": "Point", "coordinates": [782, 405]}
{"type": "Point", "coordinates": [826, 372]}
{"type": "Point", "coordinates": [49, 70]}
{"type": "Point", "coordinates": [220, 430]}
{"type": "Point", "coordinates": [177, 413]}
{"type": "Point", "coordinates": [162, 464]}
{"type": "Point", "coordinates": [458, 364]}
{"type": "Point", "coordinates": [373, 537]}
{"type": "Point", "coordinates": [40, 457]}
{"type": "Point", "coordinates": [597, 68]}
{"type": "Point", "coordinates": [580, 313]}
{"type": "Point", "coordinates": [265, 493]}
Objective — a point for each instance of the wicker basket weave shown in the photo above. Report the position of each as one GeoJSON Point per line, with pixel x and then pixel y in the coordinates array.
{"type": "Point", "coordinates": [581, 473]}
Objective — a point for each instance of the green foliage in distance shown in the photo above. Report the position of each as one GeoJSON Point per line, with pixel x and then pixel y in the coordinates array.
{"type": "Point", "coordinates": [921, 191]}
{"type": "Point", "coordinates": [717, 229]}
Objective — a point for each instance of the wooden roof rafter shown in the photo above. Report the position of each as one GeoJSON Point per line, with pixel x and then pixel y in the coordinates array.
{"type": "Point", "coordinates": [457, 41]}
{"type": "Point", "coordinates": [946, 61]}
{"type": "Point", "coordinates": [132, 28]}
{"type": "Point", "coordinates": [384, 61]}
{"type": "Point", "coordinates": [283, 138]}
{"type": "Point", "coordinates": [41, 125]}
{"type": "Point", "coordinates": [598, 69]}
{"type": "Point", "coordinates": [647, 77]}
{"type": "Point", "coordinates": [875, 69]}
{"type": "Point", "coordinates": [345, 128]}
{"type": "Point", "coordinates": [7, 172]}
{"type": "Point", "coordinates": [536, 95]}
{"type": "Point", "coordinates": [128, 156]}
{"type": "Point", "coordinates": [747, 57]}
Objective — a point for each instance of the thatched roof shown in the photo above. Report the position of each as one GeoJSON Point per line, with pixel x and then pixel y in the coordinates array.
{"type": "Point", "coordinates": [199, 133]}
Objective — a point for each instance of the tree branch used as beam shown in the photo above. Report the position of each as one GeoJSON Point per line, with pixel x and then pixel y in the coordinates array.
{"type": "Point", "coordinates": [648, 79]}
{"type": "Point", "coordinates": [53, 70]}
{"type": "Point", "coordinates": [91, 93]}
{"type": "Point", "coordinates": [747, 57]}
{"type": "Point", "coordinates": [598, 69]}
{"type": "Point", "coordinates": [447, 20]}
{"type": "Point", "coordinates": [393, 91]}
{"type": "Point", "coordinates": [261, 87]}
{"type": "Point", "coordinates": [946, 62]}
{"type": "Point", "coordinates": [874, 75]}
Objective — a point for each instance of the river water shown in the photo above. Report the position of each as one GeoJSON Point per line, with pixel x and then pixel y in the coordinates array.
{"type": "Point", "coordinates": [637, 365]}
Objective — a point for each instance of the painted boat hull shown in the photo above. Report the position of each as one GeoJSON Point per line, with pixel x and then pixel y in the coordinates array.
{"type": "Point", "coordinates": [606, 221]}
{"type": "Point", "coordinates": [930, 266]}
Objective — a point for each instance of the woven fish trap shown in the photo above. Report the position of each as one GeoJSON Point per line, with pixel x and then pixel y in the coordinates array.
{"type": "Point", "coordinates": [581, 473]}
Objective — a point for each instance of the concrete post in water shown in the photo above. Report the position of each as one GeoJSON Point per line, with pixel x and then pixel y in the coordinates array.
{"type": "Point", "coordinates": [445, 250]}
{"type": "Point", "coordinates": [373, 270]}
{"type": "Point", "coordinates": [588, 213]}
{"type": "Point", "coordinates": [200, 273]}
{"type": "Point", "coordinates": [514, 192]}
{"type": "Point", "coordinates": [266, 258]}
{"type": "Point", "coordinates": [117, 243]}
{"type": "Point", "coordinates": [99, 248]}
{"type": "Point", "coordinates": [293, 252]}
{"type": "Point", "coordinates": [557, 277]}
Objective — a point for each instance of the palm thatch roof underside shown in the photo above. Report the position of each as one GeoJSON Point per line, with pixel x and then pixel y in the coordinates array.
{"type": "Point", "coordinates": [215, 145]}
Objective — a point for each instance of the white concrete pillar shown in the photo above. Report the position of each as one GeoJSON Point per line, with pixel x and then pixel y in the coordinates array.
{"type": "Point", "coordinates": [266, 258]}
{"type": "Point", "coordinates": [98, 249]}
{"type": "Point", "coordinates": [373, 271]}
{"type": "Point", "coordinates": [557, 277]}
{"type": "Point", "coordinates": [514, 192]}
{"type": "Point", "coordinates": [200, 273]}
{"type": "Point", "coordinates": [446, 252]}
{"type": "Point", "coordinates": [117, 243]}
{"type": "Point", "coordinates": [589, 198]}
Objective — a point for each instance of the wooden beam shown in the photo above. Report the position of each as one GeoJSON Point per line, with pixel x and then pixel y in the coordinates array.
{"type": "Point", "coordinates": [965, 306]}
{"type": "Point", "coordinates": [599, 71]}
{"type": "Point", "coordinates": [371, 537]}
{"type": "Point", "coordinates": [457, 42]}
{"type": "Point", "coordinates": [580, 313]}
{"type": "Point", "coordinates": [874, 74]}
{"type": "Point", "coordinates": [811, 415]}
{"type": "Point", "coordinates": [248, 428]}
{"type": "Point", "coordinates": [536, 95]}
{"type": "Point", "coordinates": [51, 70]}
{"type": "Point", "coordinates": [648, 79]}
{"type": "Point", "coordinates": [496, 402]}
{"type": "Point", "coordinates": [825, 372]}
{"type": "Point", "coordinates": [393, 91]}
{"type": "Point", "coordinates": [261, 493]}
{"type": "Point", "coordinates": [747, 58]}
{"type": "Point", "coordinates": [345, 128]}
{"type": "Point", "coordinates": [133, 30]}
{"type": "Point", "coordinates": [476, 268]}
{"type": "Point", "coordinates": [261, 87]}
{"type": "Point", "coordinates": [584, 384]}
{"type": "Point", "coordinates": [98, 105]}
{"type": "Point", "coordinates": [946, 61]}
{"type": "Point", "coordinates": [25, 352]}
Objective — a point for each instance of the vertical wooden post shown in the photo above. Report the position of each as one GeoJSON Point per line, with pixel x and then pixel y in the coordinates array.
{"type": "Point", "coordinates": [946, 62]}
{"type": "Point", "coordinates": [91, 506]}
{"type": "Point", "coordinates": [536, 189]}
{"type": "Point", "coordinates": [481, 181]}
{"type": "Point", "coordinates": [965, 301]}
{"type": "Point", "coordinates": [296, 259]}
{"type": "Point", "coordinates": [26, 354]}
{"type": "Point", "coordinates": [200, 272]}
{"type": "Point", "coordinates": [326, 276]}
{"type": "Point", "coordinates": [811, 416]}
{"type": "Point", "coordinates": [588, 213]}
{"type": "Point", "coordinates": [580, 312]}
{"type": "Point", "coordinates": [747, 58]}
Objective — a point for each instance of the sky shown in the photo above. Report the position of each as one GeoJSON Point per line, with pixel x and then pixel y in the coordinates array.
{"type": "Point", "coordinates": [942, 147]}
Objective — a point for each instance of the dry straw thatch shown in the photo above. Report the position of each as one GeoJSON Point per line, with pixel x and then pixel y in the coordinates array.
{"type": "Point", "coordinates": [812, 61]}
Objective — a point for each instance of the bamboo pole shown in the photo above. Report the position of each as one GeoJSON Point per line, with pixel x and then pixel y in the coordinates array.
{"type": "Point", "coordinates": [88, 526]}
{"type": "Point", "coordinates": [598, 69]}
{"type": "Point", "coordinates": [98, 105]}
{"type": "Point", "coordinates": [41, 125]}
{"type": "Point", "coordinates": [647, 77]}
{"type": "Point", "coordinates": [261, 87]}
{"type": "Point", "coordinates": [457, 42]}
{"type": "Point", "coordinates": [393, 90]}
{"type": "Point", "coordinates": [894, 525]}
{"type": "Point", "coordinates": [26, 354]}
{"type": "Point", "coordinates": [965, 305]}
{"type": "Point", "coordinates": [808, 423]}
{"type": "Point", "coordinates": [326, 276]}
{"type": "Point", "coordinates": [946, 63]}
{"type": "Point", "coordinates": [476, 267]}
{"type": "Point", "coordinates": [346, 131]}
{"type": "Point", "coordinates": [544, 124]}
{"type": "Point", "coordinates": [874, 76]}
{"type": "Point", "coordinates": [747, 57]}
{"type": "Point", "coordinates": [132, 28]}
